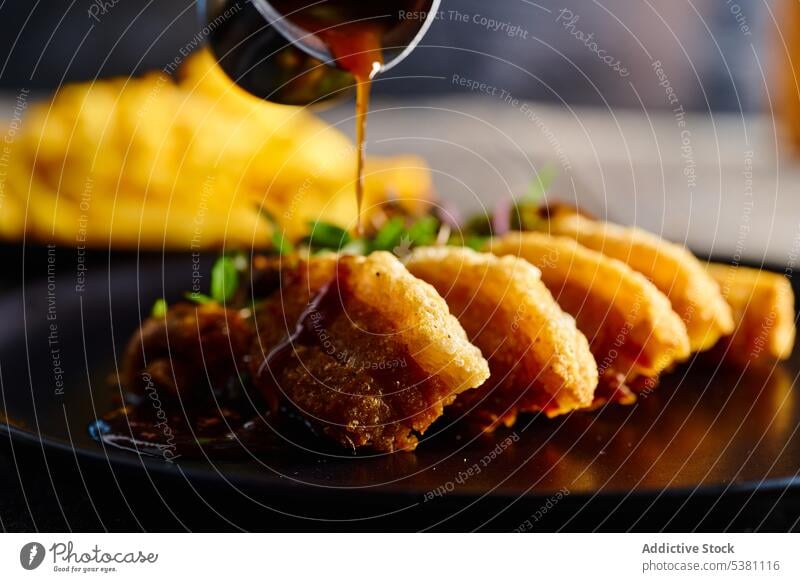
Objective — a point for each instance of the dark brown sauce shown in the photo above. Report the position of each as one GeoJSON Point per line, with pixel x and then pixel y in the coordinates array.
{"type": "Point", "coordinates": [187, 391]}
{"type": "Point", "coordinates": [325, 304]}
{"type": "Point", "coordinates": [357, 48]}
{"type": "Point", "coordinates": [228, 431]}
{"type": "Point", "coordinates": [363, 90]}
{"type": "Point", "coordinates": [359, 36]}
{"type": "Point", "coordinates": [353, 34]}
{"type": "Point", "coordinates": [239, 427]}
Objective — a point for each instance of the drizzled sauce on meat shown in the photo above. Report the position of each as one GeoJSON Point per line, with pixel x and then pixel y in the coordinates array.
{"type": "Point", "coordinates": [187, 388]}
{"type": "Point", "coordinates": [331, 323]}
{"type": "Point", "coordinates": [342, 368]}
{"type": "Point", "coordinates": [202, 381]}
{"type": "Point", "coordinates": [162, 415]}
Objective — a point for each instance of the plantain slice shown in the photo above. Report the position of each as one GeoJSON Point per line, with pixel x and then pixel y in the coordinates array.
{"type": "Point", "coordinates": [631, 326]}
{"type": "Point", "coordinates": [539, 361]}
{"type": "Point", "coordinates": [694, 295]}
{"type": "Point", "coordinates": [365, 352]}
{"type": "Point", "coordinates": [763, 309]}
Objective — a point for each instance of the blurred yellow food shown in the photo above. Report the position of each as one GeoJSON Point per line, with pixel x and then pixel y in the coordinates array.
{"type": "Point", "coordinates": [156, 163]}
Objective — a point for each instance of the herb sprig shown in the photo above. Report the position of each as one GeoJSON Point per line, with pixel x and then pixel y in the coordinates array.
{"type": "Point", "coordinates": [395, 234]}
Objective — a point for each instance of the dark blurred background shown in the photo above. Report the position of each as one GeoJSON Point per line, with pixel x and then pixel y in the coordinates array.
{"type": "Point", "coordinates": [537, 50]}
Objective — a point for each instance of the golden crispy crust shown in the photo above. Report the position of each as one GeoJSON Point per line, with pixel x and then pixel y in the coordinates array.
{"type": "Point", "coordinates": [763, 308]}
{"type": "Point", "coordinates": [694, 295]}
{"type": "Point", "coordinates": [629, 322]}
{"type": "Point", "coordinates": [367, 353]}
{"type": "Point", "coordinates": [431, 334]}
{"type": "Point", "coordinates": [538, 358]}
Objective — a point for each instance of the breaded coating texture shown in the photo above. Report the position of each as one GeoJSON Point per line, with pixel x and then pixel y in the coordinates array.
{"type": "Point", "coordinates": [677, 273]}
{"type": "Point", "coordinates": [538, 358]}
{"type": "Point", "coordinates": [630, 324]}
{"type": "Point", "coordinates": [368, 354]}
{"type": "Point", "coordinates": [764, 311]}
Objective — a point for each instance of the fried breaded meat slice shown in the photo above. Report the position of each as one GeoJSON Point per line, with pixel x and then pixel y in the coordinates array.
{"type": "Point", "coordinates": [367, 353]}
{"type": "Point", "coordinates": [630, 324]}
{"type": "Point", "coordinates": [188, 353]}
{"type": "Point", "coordinates": [764, 312]}
{"type": "Point", "coordinates": [539, 360]}
{"type": "Point", "coordinates": [677, 273]}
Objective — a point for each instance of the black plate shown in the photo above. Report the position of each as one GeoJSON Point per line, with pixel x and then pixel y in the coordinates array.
{"type": "Point", "coordinates": [704, 431]}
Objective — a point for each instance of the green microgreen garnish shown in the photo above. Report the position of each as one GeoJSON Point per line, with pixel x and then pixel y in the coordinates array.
{"type": "Point", "coordinates": [479, 225]}
{"type": "Point", "coordinates": [540, 185]}
{"type": "Point", "coordinates": [198, 298]}
{"type": "Point", "coordinates": [389, 235]}
{"type": "Point", "coordinates": [423, 232]}
{"type": "Point", "coordinates": [327, 236]}
{"type": "Point", "coordinates": [476, 243]}
{"type": "Point", "coordinates": [281, 244]}
{"type": "Point", "coordinates": [524, 215]}
{"type": "Point", "coordinates": [224, 279]}
{"type": "Point", "coordinates": [159, 309]}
